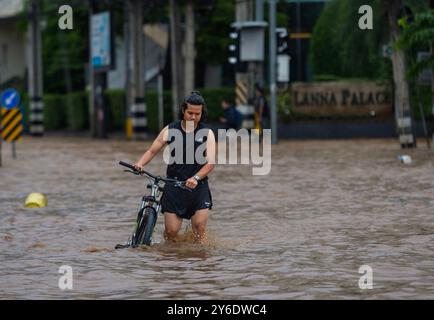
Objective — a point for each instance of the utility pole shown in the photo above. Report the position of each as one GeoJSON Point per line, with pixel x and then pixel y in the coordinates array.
{"type": "Point", "coordinates": [62, 40]}
{"type": "Point", "coordinates": [136, 70]}
{"type": "Point", "coordinates": [1, 133]}
{"type": "Point", "coordinates": [402, 95]}
{"type": "Point", "coordinates": [298, 49]}
{"type": "Point", "coordinates": [432, 90]}
{"type": "Point", "coordinates": [245, 79]}
{"type": "Point", "coordinates": [91, 78]}
{"type": "Point", "coordinates": [1, 113]}
{"type": "Point", "coordinates": [98, 79]}
{"type": "Point", "coordinates": [431, 5]}
{"type": "Point", "coordinates": [100, 84]}
{"type": "Point", "coordinates": [174, 19]}
{"type": "Point", "coordinates": [189, 48]}
{"type": "Point", "coordinates": [128, 94]}
{"type": "Point", "coordinates": [35, 71]}
{"type": "Point", "coordinates": [160, 92]}
{"type": "Point", "coordinates": [259, 66]}
{"type": "Point", "coordinates": [102, 59]}
{"type": "Point", "coordinates": [160, 101]}
{"type": "Point", "coordinates": [272, 53]}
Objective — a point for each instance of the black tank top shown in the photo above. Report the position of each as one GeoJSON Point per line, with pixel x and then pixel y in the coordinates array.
{"type": "Point", "coordinates": [184, 171]}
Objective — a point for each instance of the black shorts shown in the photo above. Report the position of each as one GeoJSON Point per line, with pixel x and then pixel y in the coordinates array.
{"type": "Point", "coordinates": [185, 203]}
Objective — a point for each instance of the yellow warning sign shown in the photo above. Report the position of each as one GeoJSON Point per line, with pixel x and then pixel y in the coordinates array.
{"type": "Point", "coordinates": [11, 124]}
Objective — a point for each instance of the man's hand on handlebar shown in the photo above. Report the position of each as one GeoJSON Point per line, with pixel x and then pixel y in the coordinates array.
{"type": "Point", "coordinates": [191, 183]}
{"type": "Point", "coordinates": [137, 166]}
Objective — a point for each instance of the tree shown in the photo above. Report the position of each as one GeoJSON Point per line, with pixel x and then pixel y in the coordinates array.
{"type": "Point", "coordinates": [213, 31]}
{"type": "Point", "coordinates": [341, 49]}
{"type": "Point", "coordinates": [64, 52]}
{"type": "Point", "coordinates": [174, 55]}
{"type": "Point", "coordinates": [189, 48]}
{"type": "Point", "coordinates": [419, 35]}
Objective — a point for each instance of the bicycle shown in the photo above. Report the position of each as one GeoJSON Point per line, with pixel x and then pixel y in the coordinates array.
{"type": "Point", "coordinates": [149, 207]}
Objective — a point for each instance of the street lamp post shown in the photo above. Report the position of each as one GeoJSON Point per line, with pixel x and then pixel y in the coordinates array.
{"type": "Point", "coordinates": [272, 53]}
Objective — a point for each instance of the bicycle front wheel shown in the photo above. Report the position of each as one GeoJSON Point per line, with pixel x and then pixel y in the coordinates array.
{"type": "Point", "coordinates": [148, 229]}
{"type": "Point", "coordinates": [139, 228]}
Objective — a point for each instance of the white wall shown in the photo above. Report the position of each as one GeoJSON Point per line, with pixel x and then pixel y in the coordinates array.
{"type": "Point", "coordinates": [12, 52]}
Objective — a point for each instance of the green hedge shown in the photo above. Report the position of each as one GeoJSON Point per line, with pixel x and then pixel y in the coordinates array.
{"type": "Point", "coordinates": [116, 110]}
{"type": "Point", "coordinates": [116, 103]}
{"type": "Point", "coordinates": [73, 115]}
{"type": "Point", "coordinates": [66, 111]}
{"type": "Point", "coordinates": [54, 112]}
{"type": "Point", "coordinates": [152, 108]}
{"type": "Point", "coordinates": [213, 99]}
{"type": "Point", "coordinates": [77, 111]}
{"type": "Point", "coordinates": [71, 112]}
{"type": "Point", "coordinates": [421, 94]}
{"type": "Point", "coordinates": [59, 115]}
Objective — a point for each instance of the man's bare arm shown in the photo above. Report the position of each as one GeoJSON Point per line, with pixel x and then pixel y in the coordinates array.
{"type": "Point", "coordinates": [156, 146]}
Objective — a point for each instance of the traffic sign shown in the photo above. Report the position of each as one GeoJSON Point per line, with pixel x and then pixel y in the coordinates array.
{"type": "Point", "coordinates": [101, 41]}
{"type": "Point", "coordinates": [10, 98]}
{"type": "Point", "coordinates": [11, 122]}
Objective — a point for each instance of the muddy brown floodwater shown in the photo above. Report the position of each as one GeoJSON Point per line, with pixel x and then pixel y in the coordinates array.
{"type": "Point", "coordinates": [302, 232]}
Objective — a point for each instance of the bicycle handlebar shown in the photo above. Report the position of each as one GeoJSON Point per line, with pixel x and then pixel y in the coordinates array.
{"type": "Point", "coordinates": [130, 166]}
{"type": "Point", "coordinates": [157, 178]}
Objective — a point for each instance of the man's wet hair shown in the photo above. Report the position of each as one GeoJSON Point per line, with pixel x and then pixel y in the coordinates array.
{"type": "Point", "coordinates": [195, 98]}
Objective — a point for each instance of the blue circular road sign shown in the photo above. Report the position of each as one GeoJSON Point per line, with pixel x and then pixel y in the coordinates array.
{"type": "Point", "coordinates": [10, 98]}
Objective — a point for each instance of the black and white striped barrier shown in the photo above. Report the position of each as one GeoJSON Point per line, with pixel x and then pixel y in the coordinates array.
{"type": "Point", "coordinates": [36, 117]}
{"type": "Point", "coordinates": [406, 137]}
{"type": "Point", "coordinates": [139, 119]}
{"type": "Point", "coordinates": [241, 101]}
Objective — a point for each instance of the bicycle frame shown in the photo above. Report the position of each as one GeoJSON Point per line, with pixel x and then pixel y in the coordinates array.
{"type": "Point", "coordinates": [144, 228]}
{"type": "Point", "coordinates": [152, 200]}
{"type": "Point", "coordinates": [148, 201]}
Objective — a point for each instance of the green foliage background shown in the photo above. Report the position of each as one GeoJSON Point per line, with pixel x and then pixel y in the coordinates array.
{"type": "Point", "coordinates": [73, 115]}
{"type": "Point", "coordinates": [340, 49]}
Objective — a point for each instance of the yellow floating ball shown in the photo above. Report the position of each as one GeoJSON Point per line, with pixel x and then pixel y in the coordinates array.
{"type": "Point", "coordinates": [36, 200]}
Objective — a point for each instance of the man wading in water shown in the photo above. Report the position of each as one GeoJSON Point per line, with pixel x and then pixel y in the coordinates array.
{"type": "Point", "coordinates": [178, 204]}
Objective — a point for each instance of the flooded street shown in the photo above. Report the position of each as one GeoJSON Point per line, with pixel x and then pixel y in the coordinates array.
{"type": "Point", "coordinates": [302, 232]}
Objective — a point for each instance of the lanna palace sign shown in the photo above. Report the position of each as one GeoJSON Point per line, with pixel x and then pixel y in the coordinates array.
{"type": "Point", "coordinates": [342, 98]}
